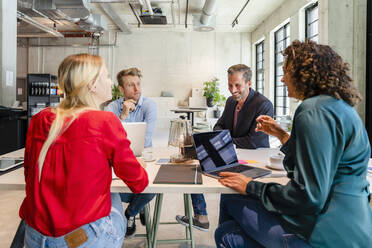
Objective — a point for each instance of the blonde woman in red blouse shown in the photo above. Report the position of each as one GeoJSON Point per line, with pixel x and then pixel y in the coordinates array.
{"type": "Point", "coordinates": [69, 156]}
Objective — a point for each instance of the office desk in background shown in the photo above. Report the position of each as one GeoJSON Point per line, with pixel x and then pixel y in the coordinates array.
{"type": "Point", "coordinates": [189, 111]}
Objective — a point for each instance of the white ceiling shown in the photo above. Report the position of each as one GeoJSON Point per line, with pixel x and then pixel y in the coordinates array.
{"type": "Point", "coordinates": [255, 12]}
{"type": "Point", "coordinates": [226, 11]}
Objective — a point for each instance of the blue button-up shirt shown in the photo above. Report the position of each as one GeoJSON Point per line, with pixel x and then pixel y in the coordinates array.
{"type": "Point", "coordinates": [145, 111]}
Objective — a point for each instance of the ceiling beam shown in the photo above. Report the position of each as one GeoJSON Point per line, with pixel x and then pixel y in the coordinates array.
{"type": "Point", "coordinates": [38, 25]}
{"type": "Point", "coordinates": [119, 21]}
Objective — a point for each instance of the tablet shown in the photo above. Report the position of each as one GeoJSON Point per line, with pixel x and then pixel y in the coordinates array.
{"type": "Point", "coordinates": [8, 163]}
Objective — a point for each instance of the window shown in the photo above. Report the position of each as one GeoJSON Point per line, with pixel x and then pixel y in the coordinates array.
{"type": "Point", "coordinates": [281, 100]}
{"type": "Point", "coordinates": [311, 21]}
{"type": "Point", "coordinates": [260, 67]}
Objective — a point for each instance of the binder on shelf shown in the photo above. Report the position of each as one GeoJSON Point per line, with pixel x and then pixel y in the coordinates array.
{"type": "Point", "coordinates": [41, 93]}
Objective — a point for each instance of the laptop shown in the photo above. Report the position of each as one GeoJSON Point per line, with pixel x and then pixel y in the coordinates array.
{"type": "Point", "coordinates": [8, 163]}
{"type": "Point", "coordinates": [216, 153]}
{"type": "Point", "coordinates": [136, 133]}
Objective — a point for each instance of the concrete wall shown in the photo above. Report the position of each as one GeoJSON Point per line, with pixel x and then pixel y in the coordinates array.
{"type": "Point", "coordinates": [170, 61]}
{"type": "Point", "coordinates": [22, 59]}
{"type": "Point", "coordinates": [288, 12]}
{"type": "Point", "coordinates": [342, 25]}
{"type": "Point", "coordinates": [8, 52]}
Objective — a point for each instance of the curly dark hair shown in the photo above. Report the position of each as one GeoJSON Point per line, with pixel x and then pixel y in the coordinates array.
{"type": "Point", "coordinates": [318, 69]}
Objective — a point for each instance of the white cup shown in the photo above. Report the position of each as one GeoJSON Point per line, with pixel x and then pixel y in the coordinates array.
{"type": "Point", "coordinates": [147, 155]}
{"type": "Point", "coordinates": [276, 161]}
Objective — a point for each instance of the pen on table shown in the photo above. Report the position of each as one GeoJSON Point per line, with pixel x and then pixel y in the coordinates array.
{"type": "Point", "coordinates": [196, 174]}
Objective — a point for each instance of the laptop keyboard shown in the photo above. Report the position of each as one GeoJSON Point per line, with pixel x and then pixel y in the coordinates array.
{"type": "Point", "coordinates": [237, 169]}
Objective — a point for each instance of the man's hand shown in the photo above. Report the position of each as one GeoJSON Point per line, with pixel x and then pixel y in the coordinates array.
{"type": "Point", "coordinates": [267, 125]}
{"type": "Point", "coordinates": [128, 105]}
{"type": "Point", "coordinates": [236, 181]}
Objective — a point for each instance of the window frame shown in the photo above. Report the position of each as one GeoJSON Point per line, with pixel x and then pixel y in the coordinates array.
{"type": "Point", "coordinates": [286, 37]}
{"type": "Point", "coordinates": [262, 70]}
{"type": "Point", "coordinates": [308, 10]}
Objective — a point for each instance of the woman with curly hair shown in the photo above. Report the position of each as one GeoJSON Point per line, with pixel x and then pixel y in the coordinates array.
{"type": "Point", "coordinates": [326, 201]}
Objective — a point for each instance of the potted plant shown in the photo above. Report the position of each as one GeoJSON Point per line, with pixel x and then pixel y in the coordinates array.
{"type": "Point", "coordinates": [210, 90]}
{"type": "Point", "coordinates": [116, 94]}
{"type": "Point", "coordinates": [220, 101]}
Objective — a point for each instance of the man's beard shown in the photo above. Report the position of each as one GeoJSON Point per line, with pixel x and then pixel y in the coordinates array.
{"type": "Point", "coordinates": [240, 97]}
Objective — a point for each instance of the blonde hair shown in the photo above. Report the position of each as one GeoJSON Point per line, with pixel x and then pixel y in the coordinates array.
{"type": "Point", "coordinates": [76, 76]}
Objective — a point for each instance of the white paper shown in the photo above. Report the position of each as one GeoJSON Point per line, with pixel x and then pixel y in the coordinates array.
{"type": "Point", "coordinates": [9, 78]}
{"type": "Point", "coordinates": [19, 91]}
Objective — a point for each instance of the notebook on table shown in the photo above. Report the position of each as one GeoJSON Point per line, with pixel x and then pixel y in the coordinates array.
{"type": "Point", "coordinates": [216, 153]}
{"type": "Point", "coordinates": [178, 174]}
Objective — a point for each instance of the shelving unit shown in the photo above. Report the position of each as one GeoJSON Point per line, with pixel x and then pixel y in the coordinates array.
{"type": "Point", "coordinates": [41, 93]}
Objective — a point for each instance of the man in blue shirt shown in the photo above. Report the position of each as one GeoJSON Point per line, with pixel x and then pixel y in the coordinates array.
{"type": "Point", "coordinates": [134, 107]}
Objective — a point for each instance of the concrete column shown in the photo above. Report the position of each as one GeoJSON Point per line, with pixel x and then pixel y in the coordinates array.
{"type": "Point", "coordinates": [342, 25]}
{"type": "Point", "coordinates": [8, 52]}
{"type": "Point", "coordinates": [246, 51]}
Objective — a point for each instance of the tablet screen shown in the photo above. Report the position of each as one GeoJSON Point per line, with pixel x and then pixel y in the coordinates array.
{"type": "Point", "coordinates": [7, 163]}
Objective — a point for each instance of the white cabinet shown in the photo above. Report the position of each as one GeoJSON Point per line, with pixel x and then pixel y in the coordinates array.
{"type": "Point", "coordinates": [165, 104]}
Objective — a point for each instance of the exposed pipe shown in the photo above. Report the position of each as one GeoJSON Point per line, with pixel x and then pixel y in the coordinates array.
{"type": "Point", "coordinates": [77, 45]}
{"type": "Point", "coordinates": [173, 14]}
{"type": "Point", "coordinates": [236, 18]}
{"type": "Point", "coordinates": [187, 12]}
{"type": "Point", "coordinates": [135, 14]}
{"type": "Point", "coordinates": [118, 20]}
{"type": "Point", "coordinates": [149, 8]}
{"type": "Point", "coordinates": [41, 14]}
{"type": "Point", "coordinates": [179, 12]}
{"type": "Point", "coordinates": [208, 11]}
{"type": "Point", "coordinates": [38, 25]}
{"type": "Point", "coordinates": [113, 1]}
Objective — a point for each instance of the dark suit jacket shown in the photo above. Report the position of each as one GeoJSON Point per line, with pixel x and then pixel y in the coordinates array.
{"type": "Point", "coordinates": [244, 135]}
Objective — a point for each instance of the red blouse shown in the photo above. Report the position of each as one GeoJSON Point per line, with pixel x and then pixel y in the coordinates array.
{"type": "Point", "coordinates": [75, 182]}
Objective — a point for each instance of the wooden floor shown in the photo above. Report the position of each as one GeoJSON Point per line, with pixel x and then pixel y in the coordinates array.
{"type": "Point", "coordinates": [173, 204]}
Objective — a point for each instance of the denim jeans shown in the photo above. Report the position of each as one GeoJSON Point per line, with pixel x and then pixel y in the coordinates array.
{"type": "Point", "coordinates": [198, 204]}
{"type": "Point", "coordinates": [244, 222]}
{"type": "Point", "coordinates": [136, 202]}
{"type": "Point", "coordinates": [105, 232]}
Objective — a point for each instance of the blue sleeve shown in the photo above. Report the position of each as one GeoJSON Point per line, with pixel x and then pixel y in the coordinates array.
{"type": "Point", "coordinates": [114, 107]}
{"type": "Point", "coordinates": [312, 155]}
{"type": "Point", "coordinates": [150, 115]}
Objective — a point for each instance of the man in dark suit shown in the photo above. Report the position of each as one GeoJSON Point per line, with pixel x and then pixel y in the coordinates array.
{"type": "Point", "coordinates": [239, 116]}
{"type": "Point", "coordinates": [242, 109]}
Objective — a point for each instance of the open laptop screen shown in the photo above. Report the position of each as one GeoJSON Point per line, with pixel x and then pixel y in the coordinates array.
{"type": "Point", "coordinates": [215, 149]}
{"type": "Point", "coordinates": [136, 133]}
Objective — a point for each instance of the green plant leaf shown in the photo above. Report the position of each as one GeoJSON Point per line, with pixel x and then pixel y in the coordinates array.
{"type": "Point", "coordinates": [116, 94]}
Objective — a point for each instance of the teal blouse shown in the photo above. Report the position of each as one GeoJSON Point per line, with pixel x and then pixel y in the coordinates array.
{"type": "Point", "coordinates": [326, 158]}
